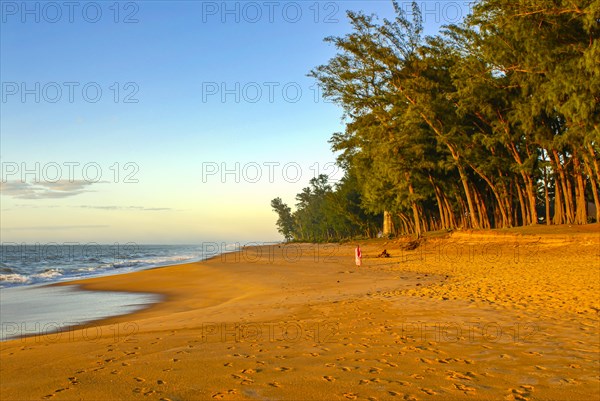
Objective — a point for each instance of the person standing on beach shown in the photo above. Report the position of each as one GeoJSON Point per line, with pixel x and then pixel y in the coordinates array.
{"type": "Point", "coordinates": [358, 256]}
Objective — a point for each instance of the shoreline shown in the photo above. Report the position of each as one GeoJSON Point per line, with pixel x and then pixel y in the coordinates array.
{"type": "Point", "coordinates": [78, 284]}
{"type": "Point", "coordinates": [248, 326]}
{"type": "Point", "coordinates": [39, 310]}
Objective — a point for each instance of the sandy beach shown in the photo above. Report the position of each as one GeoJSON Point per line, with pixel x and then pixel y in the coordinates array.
{"type": "Point", "coordinates": [497, 315]}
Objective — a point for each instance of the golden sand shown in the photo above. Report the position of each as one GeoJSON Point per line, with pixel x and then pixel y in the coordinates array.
{"type": "Point", "coordinates": [494, 316]}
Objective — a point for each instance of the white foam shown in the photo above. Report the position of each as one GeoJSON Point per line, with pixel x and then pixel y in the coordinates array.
{"type": "Point", "coordinates": [14, 278]}
{"type": "Point", "coordinates": [51, 273]}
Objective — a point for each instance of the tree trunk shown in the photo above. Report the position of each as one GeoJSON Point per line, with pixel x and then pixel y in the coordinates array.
{"type": "Point", "coordinates": [565, 187]}
{"type": "Point", "coordinates": [531, 198]}
{"type": "Point", "coordinates": [594, 186]}
{"type": "Point", "coordinates": [594, 160]}
{"type": "Point", "coordinates": [496, 193]}
{"type": "Point", "coordinates": [415, 210]}
{"type": "Point", "coordinates": [484, 220]}
{"type": "Point", "coordinates": [387, 223]}
{"type": "Point", "coordinates": [559, 212]}
{"type": "Point", "coordinates": [450, 217]}
{"type": "Point", "coordinates": [465, 182]}
{"type": "Point", "coordinates": [524, 213]}
{"type": "Point", "coordinates": [546, 197]}
{"type": "Point", "coordinates": [405, 223]}
{"type": "Point", "coordinates": [581, 203]}
{"type": "Point", "coordinates": [438, 198]}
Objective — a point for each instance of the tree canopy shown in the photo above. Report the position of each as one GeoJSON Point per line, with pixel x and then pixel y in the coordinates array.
{"type": "Point", "coordinates": [493, 122]}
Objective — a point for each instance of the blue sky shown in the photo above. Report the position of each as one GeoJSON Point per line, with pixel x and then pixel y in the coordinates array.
{"type": "Point", "coordinates": [118, 119]}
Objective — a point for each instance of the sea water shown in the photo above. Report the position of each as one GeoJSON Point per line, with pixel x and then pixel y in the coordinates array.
{"type": "Point", "coordinates": [29, 307]}
{"type": "Point", "coordinates": [22, 264]}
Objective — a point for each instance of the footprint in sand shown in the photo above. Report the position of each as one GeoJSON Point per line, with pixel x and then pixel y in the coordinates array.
{"type": "Point", "coordinates": [416, 376]}
{"type": "Point", "coordinates": [350, 396]}
{"type": "Point", "coordinates": [283, 369]}
{"type": "Point", "coordinates": [274, 384]}
{"type": "Point", "coordinates": [221, 395]}
{"type": "Point", "coordinates": [428, 391]}
{"type": "Point", "coordinates": [520, 394]}
{"type": "Point", "coordinates": [329, 378]}
{"type": "Point", "coordinates": [465, 389]}
{"type": "Point", "coordinates": [452, 375]}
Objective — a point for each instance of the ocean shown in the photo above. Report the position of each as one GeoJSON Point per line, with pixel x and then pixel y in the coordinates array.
{"type": "Point", "coordinates": [28, 307]}
{"type": "Point", "coordinates": [22, 264]}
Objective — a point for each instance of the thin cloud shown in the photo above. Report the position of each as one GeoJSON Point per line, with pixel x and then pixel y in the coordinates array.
{"type": "Point", "coordinates": [110, 207]}
{"type": "Point", "coordinates": [52, 228]}
{"type": "Point", "coordinates": [45, 190]}
{"type": "Point", "coordinates": [136, 208]}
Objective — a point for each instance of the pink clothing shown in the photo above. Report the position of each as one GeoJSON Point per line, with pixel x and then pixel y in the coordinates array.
{"type": "Point", "coordinates": [358, 256]}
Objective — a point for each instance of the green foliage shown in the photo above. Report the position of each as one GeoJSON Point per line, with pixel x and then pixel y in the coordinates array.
{"type": "Point", "coordinates": [285, 222]}
{"type": "Point", "coordinates": [480, 126]}
{"type": "Point", "coordinates": [326, 214]}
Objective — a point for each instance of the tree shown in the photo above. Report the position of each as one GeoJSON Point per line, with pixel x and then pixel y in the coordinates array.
{"type": "Point", "coordinates": [285, 222]}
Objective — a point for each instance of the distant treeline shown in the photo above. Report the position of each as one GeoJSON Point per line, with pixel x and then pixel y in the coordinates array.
{"type": "Point", "coordinates": [492, 123]}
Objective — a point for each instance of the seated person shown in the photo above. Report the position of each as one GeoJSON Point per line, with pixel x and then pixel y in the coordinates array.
{"type": "Point", "coordinates": [384, 254]}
